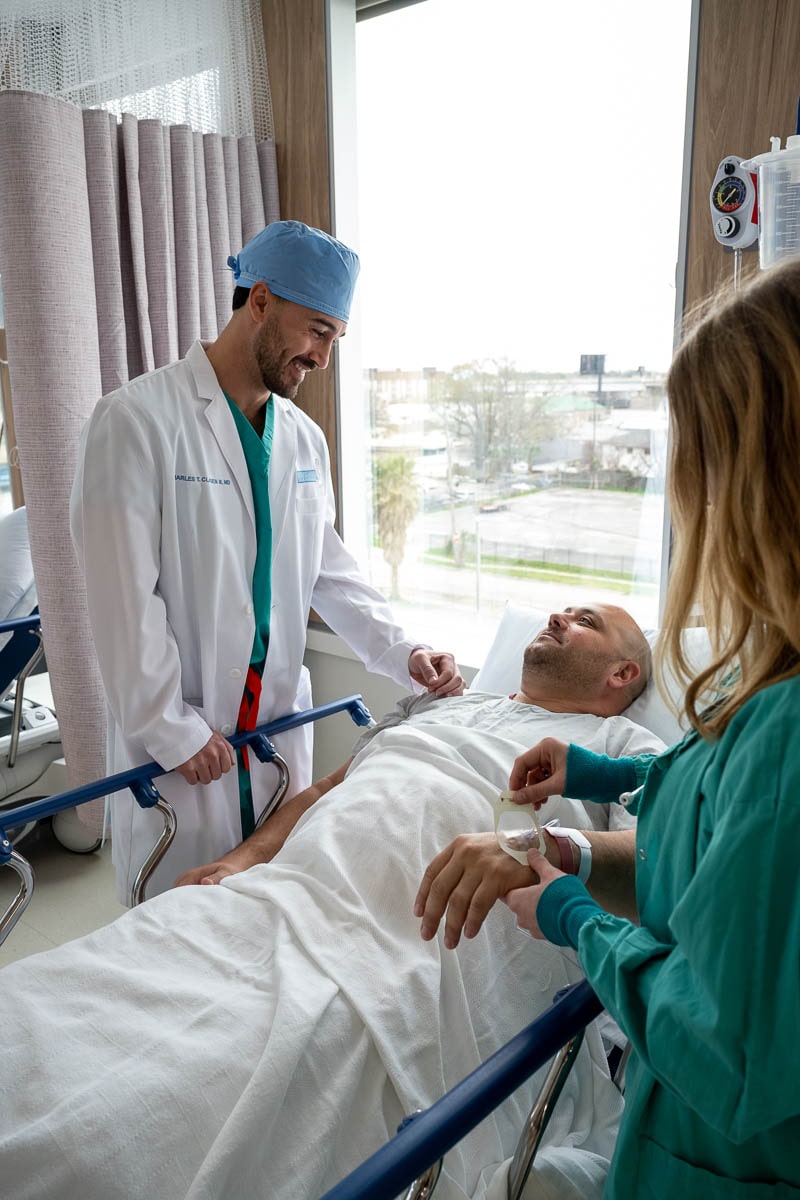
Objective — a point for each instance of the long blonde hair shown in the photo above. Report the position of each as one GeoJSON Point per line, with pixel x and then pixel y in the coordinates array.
{"type": "Point", "coordinates": [734, 490]}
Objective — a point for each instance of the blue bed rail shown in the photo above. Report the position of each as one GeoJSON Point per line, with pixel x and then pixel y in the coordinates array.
{"type": "Point", "coordinates": [428, 1135]}
{"type": "Point", "coordinates": [139, 779]}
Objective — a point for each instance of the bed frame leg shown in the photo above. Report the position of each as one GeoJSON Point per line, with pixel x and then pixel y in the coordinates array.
{"type": "Point", "coordinates": [540, 1115]}
{"type": "Point", "coordinates": [283, 782]}
{"type": "Point", "coordinates": [22, 899]}
{"type": "Point", "coordinates": [423, 1187]}
{"type": "Point", "coordinates": [157, 853]}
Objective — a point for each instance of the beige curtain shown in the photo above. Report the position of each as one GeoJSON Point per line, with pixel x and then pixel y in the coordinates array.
{"type": "Point", "coordinates": [113, 247]}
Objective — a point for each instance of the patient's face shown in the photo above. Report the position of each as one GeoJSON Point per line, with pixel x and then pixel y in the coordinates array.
{"type": "Point", "coordinates": [578, 647]}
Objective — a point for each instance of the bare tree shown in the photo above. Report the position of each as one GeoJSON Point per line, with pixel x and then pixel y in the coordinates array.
{"type": "Point", "coordinates": [492, 409]}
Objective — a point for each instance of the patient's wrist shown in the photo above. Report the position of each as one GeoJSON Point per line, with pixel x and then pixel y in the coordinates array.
{"type": "Point", "coordinates": [571, 851]}
{"type": "Point", "coordinates": [558, 851]}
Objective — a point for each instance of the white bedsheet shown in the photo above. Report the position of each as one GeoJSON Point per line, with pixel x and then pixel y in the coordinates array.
{"type": "Point", "coordinates": [261, 1038]}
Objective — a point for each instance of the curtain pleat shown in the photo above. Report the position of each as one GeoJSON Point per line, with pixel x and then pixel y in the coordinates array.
{"type": "Point", "coordinates": [158, 315]}
{"type": "Point", "coordinates": [230, 156]}
{"type": "Point", "coordinates": [136, 231]}
{"type": "Point", "coordinates": [219, 236]}
{"type": "Point", "coordinates": [186, 266]}
{"type": "Point", "coordinates": [114, 240]}
{"type": "Point", "coordinates": [133, 341]}
{"type": "Point", "coordinates": [102, 185]}
{"type": "Point", "coordinates": [205, 286]}
{"type": "Point", "coordinates": [250, 189]}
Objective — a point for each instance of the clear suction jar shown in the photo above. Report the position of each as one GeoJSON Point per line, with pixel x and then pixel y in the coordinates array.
{"type": "Point", "coordinates": [778, 201]}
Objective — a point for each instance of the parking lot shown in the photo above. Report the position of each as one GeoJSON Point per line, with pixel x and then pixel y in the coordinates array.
{"type": "Point", "coordinates": [615, 524]}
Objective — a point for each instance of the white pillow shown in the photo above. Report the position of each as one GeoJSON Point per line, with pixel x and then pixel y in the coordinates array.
{"type": "Point", "coordinates": [650, 709]}
{"type": "Point", "coordinates": [518, 626]}
{"type": "Point", "coordinates": [502, 668]}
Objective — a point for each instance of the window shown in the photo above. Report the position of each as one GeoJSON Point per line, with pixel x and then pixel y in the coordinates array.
{"type": "Point", "coordinates": [520, 173]}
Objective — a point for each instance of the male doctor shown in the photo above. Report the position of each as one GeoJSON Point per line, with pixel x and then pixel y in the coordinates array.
{"type": "Point", "coordinates": [202, 513]}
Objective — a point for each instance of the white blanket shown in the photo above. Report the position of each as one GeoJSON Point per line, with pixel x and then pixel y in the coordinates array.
{"type": "Point", "coordinates": [261, 1038]}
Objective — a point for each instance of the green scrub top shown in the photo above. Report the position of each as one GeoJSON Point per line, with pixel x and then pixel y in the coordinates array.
{"type": "Point", "coordinates": [707, 986]}
{"type": "Point", "coordinates": [257, 453]}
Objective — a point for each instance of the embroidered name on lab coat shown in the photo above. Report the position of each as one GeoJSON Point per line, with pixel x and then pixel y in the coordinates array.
{"type": "Point", "coordinates": [311, 476]}
{"type": "Point", "coordinates": [201, 479]}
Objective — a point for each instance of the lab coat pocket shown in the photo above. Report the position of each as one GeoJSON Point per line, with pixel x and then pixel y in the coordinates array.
{"type": "Point", "coordinates": [310, 505]}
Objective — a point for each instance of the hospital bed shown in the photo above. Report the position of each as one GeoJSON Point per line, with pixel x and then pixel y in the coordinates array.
{"type": "Point", "coordinates": [412, 1159]}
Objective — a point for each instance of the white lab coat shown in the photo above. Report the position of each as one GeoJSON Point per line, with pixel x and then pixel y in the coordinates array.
{"type": "Point", "coordinates": [163, 522]}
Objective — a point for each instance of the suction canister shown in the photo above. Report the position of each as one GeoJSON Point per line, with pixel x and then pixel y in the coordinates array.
{"type": "Point", "coordinates": [778, 200]}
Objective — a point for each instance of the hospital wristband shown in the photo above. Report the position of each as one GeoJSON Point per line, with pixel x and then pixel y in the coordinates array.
{"type": "Point", "coordinates": [565, 839]}
{"type": "Point", "coordinates": [564, 847]}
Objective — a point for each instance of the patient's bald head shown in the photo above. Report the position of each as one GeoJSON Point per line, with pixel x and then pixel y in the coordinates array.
{"type": "Point", "coordinates": [593, 658]}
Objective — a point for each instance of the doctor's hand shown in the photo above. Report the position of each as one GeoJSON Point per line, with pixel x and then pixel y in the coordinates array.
{"type": "Point", "coordinates": [466, 879]}
{"type": "Point", "coordinates": [524, 902]}
{"type": "Point", "coordinates": [436, 671]}
{"type": "Point", "coordinates": [215, 759]}
{"type": "Point", "coordinates": [539, 772]}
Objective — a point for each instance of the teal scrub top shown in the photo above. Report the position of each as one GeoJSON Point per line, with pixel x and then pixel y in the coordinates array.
{"type": "Point", "coordinates": [707, 987]}
{"type": "Point", "coordinates": [257, 454]}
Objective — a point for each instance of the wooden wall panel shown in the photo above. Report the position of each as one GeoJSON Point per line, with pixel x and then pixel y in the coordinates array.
{"type": "Point", "coordinates": [748, 78]}
{"type": "Point", "coordinates": [295, 37]}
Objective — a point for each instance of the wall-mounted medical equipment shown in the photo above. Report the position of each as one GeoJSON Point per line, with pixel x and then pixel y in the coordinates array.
{"type": "Point", "coordinates": [733, 203]}
{"type": "Point", "coordinates": [778, 200]}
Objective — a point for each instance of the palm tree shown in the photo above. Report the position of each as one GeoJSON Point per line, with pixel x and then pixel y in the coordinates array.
{"type": "Point", "coordinates": [396, 502]}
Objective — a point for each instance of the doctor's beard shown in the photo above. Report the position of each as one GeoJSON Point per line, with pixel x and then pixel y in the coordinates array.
{"type": "Point", "coordinates": [272, 362]}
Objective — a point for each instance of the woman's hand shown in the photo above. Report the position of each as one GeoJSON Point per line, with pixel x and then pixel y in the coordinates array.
{"type": "Point", "coordinates": [539, 773]}
{"type": "Point", "coordinates": [524, 901]}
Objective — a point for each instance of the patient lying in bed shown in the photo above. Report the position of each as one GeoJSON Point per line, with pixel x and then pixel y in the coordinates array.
{"type": "Point", "coordinates": [262, 1037]}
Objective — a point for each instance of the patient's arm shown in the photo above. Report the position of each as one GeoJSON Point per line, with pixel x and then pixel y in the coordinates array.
{"type": "Point", "coordinates": [473, 872]}
{"type": "Point", "coordinates": [265, 843]}
{"type": "Point", "coordinates": [613, 878]}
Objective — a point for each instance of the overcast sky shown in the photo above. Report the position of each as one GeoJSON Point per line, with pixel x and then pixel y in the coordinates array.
{"type": "Point", "coordinates": [520, 165]}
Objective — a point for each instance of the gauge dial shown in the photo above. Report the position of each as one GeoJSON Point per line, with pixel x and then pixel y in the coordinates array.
{"type": "Point", "coordinates": [729, 194]}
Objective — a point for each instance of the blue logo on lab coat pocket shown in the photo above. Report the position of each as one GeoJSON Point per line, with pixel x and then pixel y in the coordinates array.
{"type": "Point", "coordinates": [311, 476]}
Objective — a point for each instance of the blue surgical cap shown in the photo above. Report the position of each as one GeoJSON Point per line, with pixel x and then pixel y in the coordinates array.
{"type": "Point", "coordinates": [301, 264]}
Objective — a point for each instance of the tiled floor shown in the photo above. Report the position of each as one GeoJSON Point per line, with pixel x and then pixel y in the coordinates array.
{"type": "Point", "coordinates": [73, 894]}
